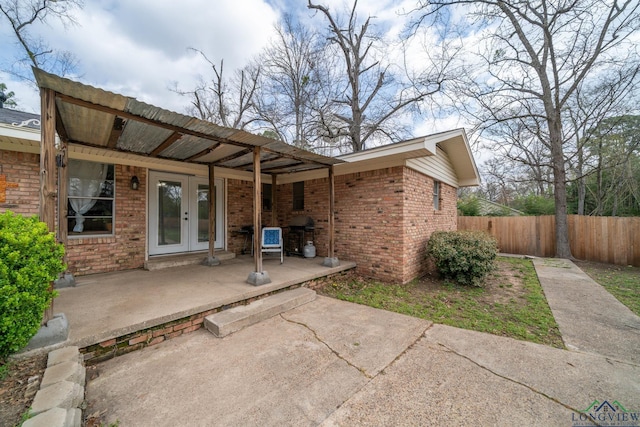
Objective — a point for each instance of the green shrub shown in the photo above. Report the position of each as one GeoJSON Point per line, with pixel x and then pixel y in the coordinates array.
{"type": "Point", "coordinates": [465, 257]}
{"type": "Point", "coordinates": [469, 206]}
{"type": "Point", "coordinates": [30, 259]}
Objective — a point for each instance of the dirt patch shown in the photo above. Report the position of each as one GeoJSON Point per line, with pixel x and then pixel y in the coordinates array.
{"type": "Point", "coordinates": [18, 388]}
{"type": "Point", "coordinates": [504, 285]}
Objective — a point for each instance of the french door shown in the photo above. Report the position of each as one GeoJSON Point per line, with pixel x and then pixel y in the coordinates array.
{"type": "Point", "coordinates": [179, 213]}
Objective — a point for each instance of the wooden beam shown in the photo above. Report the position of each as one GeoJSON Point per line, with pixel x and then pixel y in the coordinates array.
{"type": "Point", "coordinates": [236, 155]}
{"type": "Point", "coordinates": [274, 202]}
{"type": "Point", "coordinates": [331, 214]}
{"type": "Point", "coordinates": [116, 131]}
{"type": "Point", "coordinates": [257, 210]}
{"type": "Point", "coordinates": [203, 152]}
{"type": "Point", "coordinates": [212, 212]}
{"type": "Point", "coordinates": [62, 131]}
{"type": "Point", "coordinates": [48, 169]}
{"type": "Point", "coordinates": [269, 160]}
{"type": "Point", "coordinates": [294, 157]}
{"type": "Point", "coordinates": [165, 144]}
{"type": "Point", "coordinates": [282, 167]}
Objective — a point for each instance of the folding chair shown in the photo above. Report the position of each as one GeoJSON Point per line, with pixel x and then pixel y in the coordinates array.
{"type": "Point", "coordinates": [272, 241]}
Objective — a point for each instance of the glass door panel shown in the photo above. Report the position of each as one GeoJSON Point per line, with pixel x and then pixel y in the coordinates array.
{"type": "Point", "coordinates": [203, 213]}
{"type": "Point", "coordinates": [199, 229]}
{"type": "Point", "coordinates": [169, 213]}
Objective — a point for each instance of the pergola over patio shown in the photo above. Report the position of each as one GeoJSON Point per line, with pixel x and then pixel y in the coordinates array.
{"type": "Point", "coordinates": [83, 115]}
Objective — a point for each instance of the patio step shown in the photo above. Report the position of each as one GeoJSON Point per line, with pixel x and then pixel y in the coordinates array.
{"type": "Point", "coordinates": [168, 261]}
{"type": "Point", "coordinates": [225, 322]}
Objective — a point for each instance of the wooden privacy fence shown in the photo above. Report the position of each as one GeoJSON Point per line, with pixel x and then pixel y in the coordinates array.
{"type": "Point", "coordinates": [612, 240]}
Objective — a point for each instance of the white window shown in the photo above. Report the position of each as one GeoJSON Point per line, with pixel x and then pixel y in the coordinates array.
{"type": "Point", "coordinates": [436, 195]}
{"type": "Point", "coordinates": [91, 198]}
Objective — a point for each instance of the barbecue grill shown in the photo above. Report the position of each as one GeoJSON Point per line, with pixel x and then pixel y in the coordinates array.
{"type": "Point", "coordinates": [247, 231]}
{"type": "Point", "coordinates": [300, 231]}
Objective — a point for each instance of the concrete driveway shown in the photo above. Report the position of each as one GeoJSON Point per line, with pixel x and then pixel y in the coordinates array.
{"type": "Point", "coordinates": [335, 363]}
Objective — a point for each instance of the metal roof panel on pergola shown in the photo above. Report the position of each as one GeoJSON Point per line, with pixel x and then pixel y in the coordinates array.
{"type": "Point", "coordinates": [98, 118]}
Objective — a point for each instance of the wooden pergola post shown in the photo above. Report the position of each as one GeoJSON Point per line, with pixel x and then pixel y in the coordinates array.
{"type": "Point", "coordinates": [274, 201]}
{"type": "Point", "coordinates": [258, 277]}
{"type": "Point", "coordinates": [63, 210]}
{"type": "Point", "coordinates": [211, 259]}
{"type": "Point", "coordinates": [48, 169]}
{"type": "Point", "coordinates": [331, 260]}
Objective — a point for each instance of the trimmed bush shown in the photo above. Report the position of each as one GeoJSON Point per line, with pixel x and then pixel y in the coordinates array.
{"type": "Point", "coordinates": [30, 259]}
{"type": "Point", "coordinates": [465, 257]}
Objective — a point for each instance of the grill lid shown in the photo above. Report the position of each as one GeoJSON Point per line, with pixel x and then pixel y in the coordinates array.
{"type": "Point", "coordinates": [301, 221]}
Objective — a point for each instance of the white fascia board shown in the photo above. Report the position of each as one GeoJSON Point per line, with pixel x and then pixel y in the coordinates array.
{"type": "Point", "coordinates": [418, 147]}
{"type": "Point", "coordinates": [469, 182]}
{"type": "Point", "coordinates": [15, 132]}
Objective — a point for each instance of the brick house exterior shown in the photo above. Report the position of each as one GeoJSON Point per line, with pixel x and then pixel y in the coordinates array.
{"type": "Point", "coordinates": [385, 206]}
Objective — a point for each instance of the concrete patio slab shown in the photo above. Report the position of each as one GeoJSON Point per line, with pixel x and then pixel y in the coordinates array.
{"type": "Point", "coordinates": [272, 373]}
{"type": "Point", "coordinates": [590, 318]}
{"type": "Point", "coordinates": [104, 306]}
{"type": "Point", "coordinates": [367, 338]}
{"type": "Point", "coordinates": [432, 386]}
{"type": "Point", "coordinates": [330, 362]}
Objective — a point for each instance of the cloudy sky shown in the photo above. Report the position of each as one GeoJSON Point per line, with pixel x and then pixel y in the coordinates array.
{"type": "Point", "coordinates": [140, 48]}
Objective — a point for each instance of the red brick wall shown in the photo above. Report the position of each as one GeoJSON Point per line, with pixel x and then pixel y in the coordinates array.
{"type": "Point", "coordinates": [125, 249]}
{"type": "Point", "coordinates": [421, 219]}
{"type": "Point", "coordinates": [316, 206]}
{"type": "Point", "coordinates": [369, 221]}
{"type": "Point", "coordinates": [383, 219]}
{"type": "Point", "coordinates": [21, 169]}
{"type": "Point", "coordinates": [239, 213]}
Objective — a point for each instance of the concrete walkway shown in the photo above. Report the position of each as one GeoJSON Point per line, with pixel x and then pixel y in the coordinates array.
{"type": "Point", "coordinates": [330, 362]}
{"type": "Point", "coordinates": [590, 318]}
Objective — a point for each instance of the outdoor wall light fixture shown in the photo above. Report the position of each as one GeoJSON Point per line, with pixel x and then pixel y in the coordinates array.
{"type": "Point", "coordinates": [135, 183]}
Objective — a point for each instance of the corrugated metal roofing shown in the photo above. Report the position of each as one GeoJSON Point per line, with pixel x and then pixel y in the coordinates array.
{"type": "Point", "coordinates": [95, 117]}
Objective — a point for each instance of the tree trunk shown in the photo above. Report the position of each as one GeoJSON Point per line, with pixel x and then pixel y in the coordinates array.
{"type": "Point", "coordinates": [582, 190]}
{"type": "Point", "coordinates": [563, 249]}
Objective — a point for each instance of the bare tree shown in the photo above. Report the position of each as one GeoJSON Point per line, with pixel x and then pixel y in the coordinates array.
{"type": "Point", "coordinates": [21, 15]}
{"type": "Point", "coordinates": [538, 56]}
{"type": "Point", "coordinates": [611, 98]}
{"type": "Point", "coordinates": [223, 101]}
{"type": "Point", "coordinates": [613, 147]}
{"type": "Point", "coordinates": [290, 87]}
{"type": "Point", "coordinates": [370, 95]}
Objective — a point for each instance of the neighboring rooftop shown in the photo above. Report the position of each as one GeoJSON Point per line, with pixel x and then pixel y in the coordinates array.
{"type": "Point", "coordinates": [15, 118]}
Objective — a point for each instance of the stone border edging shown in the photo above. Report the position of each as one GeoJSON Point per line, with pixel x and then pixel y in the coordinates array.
{"type": "Point", "coordinates": [60, 397]}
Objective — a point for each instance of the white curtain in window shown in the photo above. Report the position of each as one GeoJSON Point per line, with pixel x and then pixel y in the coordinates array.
{"type": "Point", "coordinates": [85, 180]}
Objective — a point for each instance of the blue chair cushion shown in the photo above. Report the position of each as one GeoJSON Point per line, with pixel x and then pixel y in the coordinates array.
{"type": "Point", "coordinates": [271, 237]}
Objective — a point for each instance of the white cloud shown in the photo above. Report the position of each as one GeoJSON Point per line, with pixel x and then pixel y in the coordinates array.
{"type": "Point", "coordinates": [138, 48]}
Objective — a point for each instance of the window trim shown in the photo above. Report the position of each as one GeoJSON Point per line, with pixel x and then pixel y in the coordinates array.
{"type": "Point", "coordinates": [437, 195]}
{"type": "Point", "coordinates": [98, 234]}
